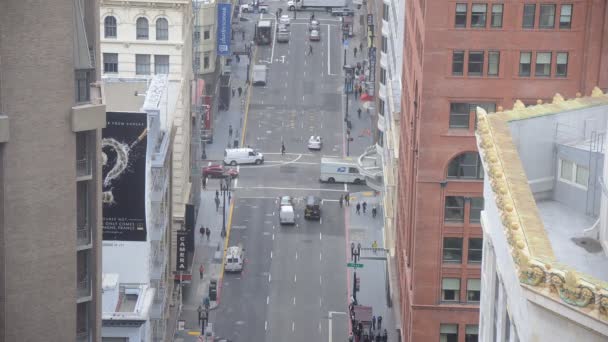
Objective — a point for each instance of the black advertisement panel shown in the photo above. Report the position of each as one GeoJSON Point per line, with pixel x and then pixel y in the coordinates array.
{"type": "Point", "coordinates": [181, 259]}
{"type": "Point", "coordinates": [190, 226]}
{"type": "Point", "coordinates": [124, 176]}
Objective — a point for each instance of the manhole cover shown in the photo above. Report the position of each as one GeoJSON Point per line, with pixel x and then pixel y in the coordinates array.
{"type": "Point", "coordinates": [590, 245]}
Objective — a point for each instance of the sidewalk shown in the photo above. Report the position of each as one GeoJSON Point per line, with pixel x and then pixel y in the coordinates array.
{"type": "Point", "coordinates": [209, 253]}
{"type": "Point", "coordinates": [374, 275]}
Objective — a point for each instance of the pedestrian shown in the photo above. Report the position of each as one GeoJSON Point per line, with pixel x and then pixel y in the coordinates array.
{"type": "Point", "coordinates": [282, 149]}
{"type": "Point", "coordinates": [385, 336]}
{"type": "Point", "coordinates": [243, 35]}
{"type": "Point", "coordinates": [373, 322]}
{"type": "Point", "coordinates": [309, 49]}
{"type": "Point", "coordinates": [352, 250]}
{"type": "Point", "coordinates": [379, 320]}
{"type": "Point", "coordinates": [358, 207]}
{"type": "Point", "coordinates": [374, 211]}
{"type": "Point", "coordinates": [233, 92]}
{"type": "Point", "coordinates": [378, 337]}
{"type": "Point", "coordinates": [359, 248]}
{"type": "Point", "coordinates": [355, 52]}
{"type": "Point", "coordinates": [240, 91]}
{"type": "Point", "coordinates": [359, 113]}
{"type": "Point", "coordinates": [204, 183]}
{"type": "Point", "coordinates": [217, 204]}
{"type": "Point", "coordinates": [230, 129]}
{"type": "Point", "coordinates": [201, 270]}
{"type": "Point", "coordinates": [341, 200]}
{"type": "Point", "coordinates": [361, 46]}
{"type": "Point", "coordinates": [364, 207]}
{"type": "Point", "coordinates": [202, 231]}
{"type": "Point", "coordinates": [347, 199]}
{"type": "Point", "coordinates": [374, 247]}
{"type": "Point", "coordinates": [217, 193]}
{"type": "Point", "coordinates": [238, 59]}
{"type": "Point", "coordinates": [208, 233]}
{"type": "Point", "coordinates": [200, 314]}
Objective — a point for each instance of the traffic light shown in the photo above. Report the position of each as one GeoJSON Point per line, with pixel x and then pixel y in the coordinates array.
{"type": "Point", "coordinates": [357, 284]}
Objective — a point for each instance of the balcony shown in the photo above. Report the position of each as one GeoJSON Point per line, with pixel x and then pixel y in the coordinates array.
{"type": "Point", "coordinates": [83, 235]}
{"type": "Point", "coordinates": [84, 169]}
{"type": "Point", "coordinates": [370, 166]}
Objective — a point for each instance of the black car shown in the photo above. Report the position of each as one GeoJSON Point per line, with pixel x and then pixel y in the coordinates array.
{"type": "Point", "coordinates": [312, 211]}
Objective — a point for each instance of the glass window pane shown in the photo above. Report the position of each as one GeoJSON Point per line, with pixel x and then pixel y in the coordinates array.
{"type": "Point", "coordinates": [478, 15]}
{"type": "Point", "coordinates": [497, 15]}
{"type": "Point", "coordinates": [474, 284]}
{"type": "Point", "coordinates": [452, 250]}
{"type": "Point", "coordinates": [525, 57]}
{"type": "Point", "coordinates": [454, 208]}
{"type": "Point", "coordinates": [528, 17]}
{"type": "Point", "coordinates": [561, 68]}
{"type": "Point", "coordinates": [565, 18]}
{"type": "Point", "coordinates": [582, 175]}
{"type": "Point", "coordinates": [449, 328]}
{"type": "Point", "coordinates": [457, 63]}
{"type": "Point", "coordinates": [476, 208]}
{"type": "Point", "coordinates": [475, 250]}
{"type": "Point", "coordinates": [547, 16]}
{"type": "Point", "coordinates": [493, 62]}
{"type": "Point", "coordinates": [461, 15]}
{"type": "Point", "coordinates": [142, 28]}
{"type": "Point", "coordinates": [566, 172]}
{"type": "Point", "coordinates": [162, 29]}
{"type": "Point", "coordinates": [451, 283]}
{"type": "Point", "coordinates": [543, 57]}
{"type": "Point", "coordinates": [476, 63]}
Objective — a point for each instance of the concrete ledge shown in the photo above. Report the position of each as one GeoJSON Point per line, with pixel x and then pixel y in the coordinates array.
{"type": "Point", "coordinates": [88, 117]}
{"type": "Point", "coordinates": [4, 129]}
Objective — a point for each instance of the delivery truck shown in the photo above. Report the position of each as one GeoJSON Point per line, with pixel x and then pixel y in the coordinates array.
{"type": "Point", "coordinates": [263, 32]}
{"type": "Point", "coordinates": [327, 5]}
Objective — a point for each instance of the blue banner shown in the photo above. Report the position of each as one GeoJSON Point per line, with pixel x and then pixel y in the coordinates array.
{"type": "Point", "coordinates": [224, 16]}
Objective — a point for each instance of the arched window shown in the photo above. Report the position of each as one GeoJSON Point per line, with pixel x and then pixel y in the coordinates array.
{"type": "Point", "coordinates": [109, 27]}
{"type": "Point", "coordinates": [162, 29]}
{"type": "Point", "coordinates": [466, 166]}
{"type": "Point", "coordinates": [142, 28]}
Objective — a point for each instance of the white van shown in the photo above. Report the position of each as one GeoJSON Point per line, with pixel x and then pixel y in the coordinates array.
{"type": "Point", "coordinates": [340, 170]}
{"type": "Point", "coordinates": [287, 215]}
{"type": "Point", "coordinates": [260, 74]}
{"type": "Point", "coordinates": [234, 259]}
{"type": "Point", "coordinates": [234, 156]}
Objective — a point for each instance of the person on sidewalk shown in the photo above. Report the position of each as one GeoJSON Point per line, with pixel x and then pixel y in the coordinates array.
{"type": "Point", "coordinates": [217, 204]}
{"type": "Point", "coordinates": [243, 35]}
{"type": "Point", "coordinates": [230, 128]}
{"type": "Point", "coordinates": [373, 322]}
{"type": "Point", "coordinates": [374, 247]}
{"type": "Point", "coordinates": [379, 320]}
{"type": "Point", "coordinates": [355, 52]}
{"type": "Point", "coordinates": [347, 199]}
{"type": "Point", "coordinates": [208, 233]}
{"type": "Point", "coordinates": [202, 231]}
{"type": "Point", "coordinates": [201, 270]}
{"type": "Point", "coordinates": [204, 183]}
{"type": "Point", "coordinates": [359, 113]}
{"type": "Point", "coordinates": [359, 248]}
{"type": "Point", "coordinates": [200, 315]}
{"type": "Point", "coordinates": [364, 207]}
{"type": "Point", "coordinates": [352, 251]}
{"type": "Point", "coordinates": [374, 211]}
{"type": "Point", "coordinates": [358, 207]}
{"type": "Point", "coordinates": [385, 336]}
{"type": "Point", "coordinates": [240, 90]}
{"type": "Point", "coordinates": [341, 201]}
{"type": "Point", "coordinates": [233, 92]}
{"type": "Point", "coordinates": [361, 46]}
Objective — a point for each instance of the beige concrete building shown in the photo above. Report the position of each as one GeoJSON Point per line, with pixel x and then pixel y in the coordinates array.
{"type": "Point", "coordinates": [50, 171]}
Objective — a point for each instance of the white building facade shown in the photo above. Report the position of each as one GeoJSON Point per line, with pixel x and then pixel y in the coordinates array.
{"type": "Point", "coordinates": [205, 32]}
{"type": "Point", "coordinates": [544, 273]}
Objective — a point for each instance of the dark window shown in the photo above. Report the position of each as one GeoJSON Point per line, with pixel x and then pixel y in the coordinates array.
{"type": "Point", "coordinates": [497, 10]}
{"type": "Point", "coordinates": [82, 84]}
{"type": "Point", "coordinates": [454, 209]}
{"type": "Point", "coordinates": [478, 15]}
{"type": "Point", "coordinates": [471, 333]}
{"type": "Point", "coordinates": [466, 166]}
{"type": "Point", "coordinates": [384, 44]}
{"type": "Point", "coordinates": [459, 115]}
{"type": "Point", "coordinates": [547, 16]}
{"type": "Point", "coordinates": [110, 62]}
{"type": "Point", "coordinates": [565, 17]}
{"type": "Point", "coordinates": [461, 15]}
{"type": "Point", "coordinates": [452, 250]}
{"type": "Point", "coordinates": [493, 63]}
{"type": "Point", "coordinates": [142, 28]}
{"type": "Point", "coordinates": [385, 12]}
{"type": "Point", "coordinates": [161, 64]}
{"type": "Point", "coordinates": [525, 63]}
{"type": "Point", "coordinates": [382, 76]}
{"type": "Point", "coordinates": [450, 289]}
{"type": "Point", "coordinates": [206, 34]}
{"type": "Point", "coordinates": [142, 64]}
{"type": "Point", "coordinates": [529, 14]}
{"type": "Point", "coordinates": [475, 249]}
{"type": "Point", "coordinates": [543, 64]}
{"type": "Point", "coordinates": [476, 208]}
{"type": "Point", "coordinates": [381, 106]}
{"type": "Point", "coordinates": [473, 290]}
{"type": "Point", "coordinates": [449, 333]}
{"type": "Point", "coordinates": [162, 29]}
{"type": "Point", "coordinates": [475, 63]}
{"type": "Point", "coordinates": [561, 68]}
{"type": "Point", "coordinates": [206, 62]}
{"type": "Point", "coordinates": [458, 63]}
{"type": "Point", "coordinates": [109, 27]}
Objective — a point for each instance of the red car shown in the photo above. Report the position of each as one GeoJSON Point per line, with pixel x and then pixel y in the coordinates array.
{"type": "Point", "coordinates": [219, 171]}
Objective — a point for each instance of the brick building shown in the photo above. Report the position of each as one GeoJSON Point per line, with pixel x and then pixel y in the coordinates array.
{"type": "Point", "coordinates": [459, 55]}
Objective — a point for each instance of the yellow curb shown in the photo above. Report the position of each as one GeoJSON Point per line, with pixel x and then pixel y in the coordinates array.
{"type": "Point", "coordinates": [229, 225]}
{"type": "Point", "coordinates": [255, 52]}
{"type": "Point", "coordinates": [194, 333]}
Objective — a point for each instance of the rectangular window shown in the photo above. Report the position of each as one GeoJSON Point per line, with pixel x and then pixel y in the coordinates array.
{"type": "Point", "coordinates": [475, 63]}
{"type": "Point", "coordinates": [384, 44]}
{"type": "Point", "coordinates": [206, 35]}
{"type": "Point", "coordinates": [497, 10]}
{"type": "Point", "coordinates": [459, 115]}
{"type": "Point", "coordinates": [476, 208]}
{"type": "Point", "coordinates": [450, 289]}
{"type": "Point", "coordinates": [461, 15]}
{"type": "Point", "coordinates": [382, 76]}
{"type": "Point", "coordinates": [385, 12]}
{"type": "Point", "coordinates": [206, 62]}
{"type": "Point", "coordinates": [197, 34]}
{"type": "Point", "coordinates": [452, 250]}
{"type": "Point", "coordinates": [110, 62]}
{"type": "Point", "coordinates": [565, 16]}
{"type": "Point", "coordinates": [478, 15]}
{"type": "Point", "coordinates": [458, 63]}
{"type": "Point", "coordinates": [454, 209]}
{"type": "Point", "coordinates": [82, 81]}
{"type": "Point", "coordinates": [161, 64]}
{"type": "Point", "coordinates": [543, 64]}
{"type": "Point", "coordinates": [381, 107]}
{"type": "Point", "coordinates": [547, 16]}
{"type": "Point", "coordinates": [493, 63]}
{"type": "Point", "coordinates": [475, 250]}
{"type": "Point", "coordinates": [448, 333]}
{"type": "Point", "coordinates": [561, 69]}
{"type": "Point", "coordinates": [473, 290]}
{"type": "Point", "coordinates": [529, 14]}
{"type": "Point", "coordinates": [142, 64]}
{"type": "Point", "coordinates": [471, 333]}
{"type": "Point", "coordinates": [525, 63]}
{"type": "Point", "coordinates": [582, 175]}
{"type": "Point", "coordinates": [566, 170]}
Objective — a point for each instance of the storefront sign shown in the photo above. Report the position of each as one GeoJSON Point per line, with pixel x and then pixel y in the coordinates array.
{"type": "Point", "coordinates": [224, 28]}
{"type": "Point", "coordinates": [182, 250]}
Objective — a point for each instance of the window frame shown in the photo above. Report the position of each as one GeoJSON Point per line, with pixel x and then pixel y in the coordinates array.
{"type": "Point", "coordinates": [139, 65]}
{"type": "Point", "coordinates": [482, 15]}
{"type": "Point", "coordinates": [469, 335]}
{"type": "Point", "coordinates": [206, 59]}
{"type": "Point", "coordinates": [456, 293]}
{"type": "Point", "coordinates": [162, 66]}
{"type": "Point", "coordinates": [543, 66]}
{"type": "Point", "coordinates": [529, 73]}
{"type": "Point", "coordinates": [163, 32]}
{"type": "Point", "coordinates": [471, 251]}
{"type": "Point", "coordinates": [477, 291]}
{"type": "Point", "coordinates": [455, 62]}
{"type": "Point", "coordinates": [443, 332]}
{"type": "Point", "coordinates": [109, 28]}
{"type": "Point", "coordinates": [458, 163]}
{"type": "Point", "coordinates": [569, 16]}
{"type": "Point", "coordinates": [384, 44]}
{"type": "Point", "coordinates": [382, 75]}
{"type": "Point", "coordinates": [385, 11]}
{"type": "Point", "coordinates": [493, 15]}
{"type": "Point", "coordinates": [540, 16]}
{"type": "Point", "coordinates": [490, 54]}
{"type": "Point", "coordinates": [453, 250]}
{"type": "Point", "coordinates": [557, 64]}
{"type": "Point", "coordinates": [477, 208]}
{"type": "Point", "coordinates": [206, 34]}
{"type": "Point", "coordinates": [461, 14]}
{"type": "Point", "coordinates": [107, 63]}
{"type": "Point", "coordinates": [524, 24]}
{"type": "Point", "coordinates": [454, 207]}
{"type": "Point", "coordinates": [140, 30]}
{"type": "Point", "coordinates": [453, 122]}
{"type": "Point", "coordinates": [82, 85]}
{"type": "Point", "coordinates": [481, 64]}
{"type": "Point", "coordinates": [574, 171]}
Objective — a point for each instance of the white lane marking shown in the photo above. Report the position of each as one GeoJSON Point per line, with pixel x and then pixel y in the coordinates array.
{"type": "Point", "coordinates": [293, 326]}
{"type": "Point", "coordinates": [320, 301]}
{"type": "Point", "coordinates": [296, 255]}
{"type": "Point", "coordinates": [294, 300]}
{"type": "Point", "coordinates": [328, 51]}
{"type": "Point", "coordinates": [321, 220]}
{"type": "Point", "coordinates": [273, 213]}
{"type": "Point", "coordinates": [273, 227]}
{"type": "Point", "coordinates": [255, 197]}
{"type": "Point", "coordinates": [270, 254]}
{"type": "Point", "coordinates": [273, 237]}
{"type": "Point", "coordinates": [267, 300]}
{"type": "Point", "coordinates": [236, 182]}
{"type": "Point", "coordinates": [320, 236]}
{"type": "Point", "coordinates": [319, 327]}
{"type": "Point", "coordinates": [269, 277]}
{"type": "Point", "coordinates": [345, 188]}
{"type": "Point", "coordinates": [320, 280]}
{"type": "Point", "coordinates": [285, 163]}
{"type": "Point", "coordinates": [320, 256]}
{"type": "Point", "coordinates": [265, 325]}
{"type": "Point", "coordinates": [295, 278]}
{"type": "Point", "coordinates": [282, 162]}
{"type": "Point", "coordinates": [280, 188]}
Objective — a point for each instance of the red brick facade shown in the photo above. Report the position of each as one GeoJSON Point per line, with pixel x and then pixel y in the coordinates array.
{"type": "Point", "coordinates": [431, 82]}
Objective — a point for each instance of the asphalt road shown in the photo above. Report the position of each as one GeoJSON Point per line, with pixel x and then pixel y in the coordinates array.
{"type": "Point", "coordinates": [294, 283]}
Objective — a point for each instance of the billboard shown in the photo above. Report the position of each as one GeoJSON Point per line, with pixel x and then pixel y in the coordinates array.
{"type": "Point", "coordinates": [224, 34]}
{"type": "Point", "coordinates": [124, 176]}
{"type": "Point", "coordinates": [181, 260]}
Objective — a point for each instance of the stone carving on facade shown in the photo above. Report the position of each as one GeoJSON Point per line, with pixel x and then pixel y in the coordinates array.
{"type": "Point", "coordinates": [531, 272]}
{"type": "Point", "coordinates": [603, 303]}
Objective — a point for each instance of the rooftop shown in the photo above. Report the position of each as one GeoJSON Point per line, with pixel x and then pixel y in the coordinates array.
{"type": "Point", "coordinates": [545, 167]}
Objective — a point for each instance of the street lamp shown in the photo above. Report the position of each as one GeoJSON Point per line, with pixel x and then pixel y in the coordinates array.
{"type": "Point", "coordinates": [225, 190]}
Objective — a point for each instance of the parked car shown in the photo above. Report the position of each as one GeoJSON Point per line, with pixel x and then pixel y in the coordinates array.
{"type": "Point", "coordinates": [312, 211]}
{"type": "Point", "coordinates": [219, 171]}
{"type": "Point", "coordinates": [315, 143]}
{"type": "Point", "coordinates": [314, 35]}
{"type": "Point", "coordinates": [284, 19]}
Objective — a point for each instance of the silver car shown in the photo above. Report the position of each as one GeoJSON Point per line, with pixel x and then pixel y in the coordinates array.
{"type": "Point", "coordinates": [315, 143]}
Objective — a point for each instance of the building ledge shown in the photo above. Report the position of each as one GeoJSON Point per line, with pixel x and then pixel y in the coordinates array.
{"type": "Point", "coordinates": [4, 129]}
{"type": "Point", "coordinates": [370, 166]}
{"type": "Point", "coordinates": [88, 117]}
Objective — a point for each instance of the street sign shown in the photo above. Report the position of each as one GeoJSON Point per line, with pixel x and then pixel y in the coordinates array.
{"type": "Point", "coordinates": [345, 44]}
{"type": "Point", "coordinates": [354, 265]}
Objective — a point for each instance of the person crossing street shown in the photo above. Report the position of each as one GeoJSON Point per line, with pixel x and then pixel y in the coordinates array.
{"type": "Point", "coordinates": [282, 149]}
